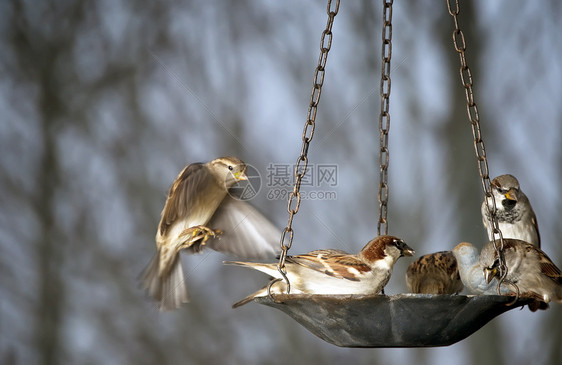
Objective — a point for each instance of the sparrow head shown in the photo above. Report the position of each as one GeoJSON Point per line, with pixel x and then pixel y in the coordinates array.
{"type": "Point", "coordinates": [229, 170]}
{"type": "Point", "coordinates": [506, 189]}
{"type": "Point", "coordinates": [404, 249]}
{"type": "Point", "coordinates": [380, 247]}
{"type": "Point", "coordinates": [465, 253]}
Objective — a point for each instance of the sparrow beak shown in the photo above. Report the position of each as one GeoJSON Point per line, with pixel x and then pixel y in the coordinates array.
{"type": "Point", "coordinates": [511, 195]}
{"type": "Point", "coordinates": [407, 250]}
{"type": "Point", "coordinates": [240, 175]}
{"type": "Point", "coordinates": [489, 274]}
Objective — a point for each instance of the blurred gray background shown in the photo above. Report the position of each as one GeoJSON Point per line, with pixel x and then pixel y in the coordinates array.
{"type": "Point", "coordinates": [103, 103]}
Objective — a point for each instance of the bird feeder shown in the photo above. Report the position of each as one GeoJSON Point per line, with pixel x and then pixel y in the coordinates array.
{"type": "Point", "coordinates": [403, 320]}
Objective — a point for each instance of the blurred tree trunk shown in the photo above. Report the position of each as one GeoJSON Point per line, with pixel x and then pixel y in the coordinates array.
{"type": "Point", "coordinates": [40, 56]}
{"type": "Point", "coordinates": [51, 295]}
{"type": "Point", "coordinates": [48, 312]}
{"type": "Point", "coordinates": [456, 134]}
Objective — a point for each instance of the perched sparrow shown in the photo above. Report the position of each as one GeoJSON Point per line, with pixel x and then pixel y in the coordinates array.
{"type": "Point", "coordinates": [471, 272]}
{"type": "Point", "coordinates": [335, 271]}
{"type": "Point", "coordinates": [516, 218]}
{"type": "Point", "coordinates": [196, 212]}
{"type": "Point", "coordinates": [529, 268]}
{"type": "Point", "coordinates": [435, 273]}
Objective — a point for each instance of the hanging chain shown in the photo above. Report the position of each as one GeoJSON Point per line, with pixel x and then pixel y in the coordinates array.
{"type": "Point", "coordinates": [294, 201]}
{"type": "Point", "coordinates": [384, 117]}
{"type": "Point", "coordinates": [466, 80]}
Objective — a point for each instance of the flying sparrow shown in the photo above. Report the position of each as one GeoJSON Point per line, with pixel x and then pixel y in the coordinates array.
{"type": "Point", "coordinates": [516, 218]}
{"type": "Point", "coordinates": [435, 273]}
{"type": "Point", "coordinates": [530, 272]}
{"type": "Point", "coordinates": [335, 271]}
{"type": "Point", "coordinates": [471, 273]}
{"type": "Point", "coordinates": [198, 210]}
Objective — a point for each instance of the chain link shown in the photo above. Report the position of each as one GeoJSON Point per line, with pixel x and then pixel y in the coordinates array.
{"type": "Point", "coordinates": [294, 200]}
{"type": "Point", "coordinates": [384, 117]}
{"type": "Point", "coordinates": [479, 149]}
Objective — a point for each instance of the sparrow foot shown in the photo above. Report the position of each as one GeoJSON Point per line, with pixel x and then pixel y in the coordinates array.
{"type": "Point", "coordinates": [196, 233]}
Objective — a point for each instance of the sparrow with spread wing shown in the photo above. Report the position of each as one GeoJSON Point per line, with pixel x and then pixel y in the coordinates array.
{"type": "Point", "coordinates": [435, 273]}
{"type": "Point", "coordinates": [528, 268]}
{"type": "Point", "coordinates": [198, 210]}
{"type": "Point", "coordinates": [335, 271]}
{"type": "Point", "coordinates": [516, 218]}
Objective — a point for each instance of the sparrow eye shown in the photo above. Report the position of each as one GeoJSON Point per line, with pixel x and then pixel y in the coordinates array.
{"type": "Point", "coordinates": [230, 167]}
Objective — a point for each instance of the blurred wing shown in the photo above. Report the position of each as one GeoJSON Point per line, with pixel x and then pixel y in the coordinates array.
{"type": "Point", "coordinates": [335, 263]}
{"type": "Point", "coordinates": [183, 194]}
{"type": "Point", "coordinates": [246, 232]}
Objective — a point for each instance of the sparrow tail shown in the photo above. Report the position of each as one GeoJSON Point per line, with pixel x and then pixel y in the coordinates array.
{"type": "Point", "coordinates": [235, 263]}
{"type": "Point", "coordinates": [169, 288]}
{"type": "Point", "coordinates": [260, 293]}
{"type": "Point", "coordinates": [246, 300]}
{"type": "Point", "coordinates": [269, 269]}
{"type": "Point", "coordinates": [537, 304]}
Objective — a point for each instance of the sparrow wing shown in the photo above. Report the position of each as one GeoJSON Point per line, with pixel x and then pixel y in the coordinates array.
{"type": "Point", "coordinates": [246, 232]}
{"type": "Point", "coordinates": [183, 194]}
{"type": "Point", "coordinates": [536, 225]}
{"type": "Point", "coordinates": [549, 269]}
{"type": "Point", "coordinates": [327, 252]}
{"type": "Point", "coordinates": [335, 263]}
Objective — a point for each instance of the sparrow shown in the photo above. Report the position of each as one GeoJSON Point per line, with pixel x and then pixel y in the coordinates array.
{"type": "Point", "coordinates": [198, 211]}
{"type": "Point", "coordinates": [435, 273]}
{"type": "Point", "coordinates": [334, 271]}
{"type": "Point", "coordinates": [471, 273]}
{"type": "Point", "coordinates": [530, 272]}
{"type": "Point", "coordinates": [516, 218]}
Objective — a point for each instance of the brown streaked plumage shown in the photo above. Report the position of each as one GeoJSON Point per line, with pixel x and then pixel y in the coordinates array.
{"type": "Point", "coordinates": [331, 262]}
{"type": "Point", "coordinates": [516, 218]}
{"type": "Point", "coordinates": [435, 273]}
{"type": "Point", "coordinates": [198, 210]}
{"type": "Point", "coordinates": [335, 271]}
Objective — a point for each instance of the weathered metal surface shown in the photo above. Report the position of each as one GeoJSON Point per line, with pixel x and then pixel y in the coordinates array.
{"type": "Point", "coordinates": [404, 320]}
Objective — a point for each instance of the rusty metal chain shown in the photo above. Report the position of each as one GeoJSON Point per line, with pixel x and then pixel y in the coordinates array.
{"type": "Point", "coordinates": [294, 200]}
{"type": "Point", "coordinates": [480, 150]}
{"type": "Point", "coordinates": [384, 117]}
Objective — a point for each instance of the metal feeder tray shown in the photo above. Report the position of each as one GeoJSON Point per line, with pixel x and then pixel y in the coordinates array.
{"type": "Point", "coordinates": [403, 320]}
